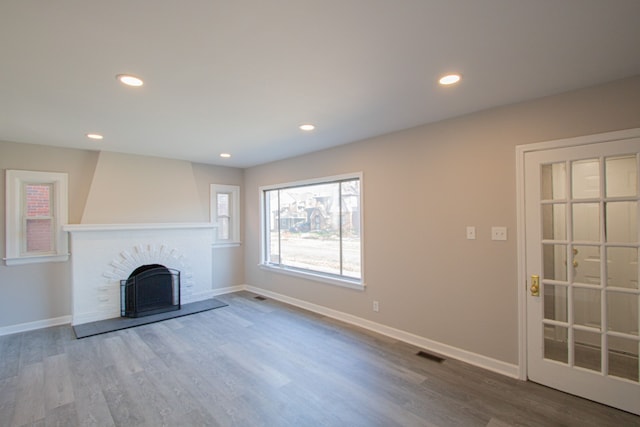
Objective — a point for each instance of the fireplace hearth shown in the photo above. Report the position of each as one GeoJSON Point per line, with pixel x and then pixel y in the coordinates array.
{"type": "Point", "coordinates": [150, 289]}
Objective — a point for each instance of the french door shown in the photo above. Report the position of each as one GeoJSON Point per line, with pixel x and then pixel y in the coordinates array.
{"type": "Point", "coordinates": [582, 269]}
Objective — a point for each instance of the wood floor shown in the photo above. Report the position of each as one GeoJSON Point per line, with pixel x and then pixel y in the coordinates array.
{"type": "Point", "coordinates": [262, 363]}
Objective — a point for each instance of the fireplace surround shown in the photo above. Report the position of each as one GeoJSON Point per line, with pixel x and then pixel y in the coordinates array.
{"type": "Point", "coordinates": [104, 254]}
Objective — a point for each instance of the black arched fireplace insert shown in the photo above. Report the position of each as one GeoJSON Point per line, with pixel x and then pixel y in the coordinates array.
{"type": "Point", "coordinates": [150, 289]}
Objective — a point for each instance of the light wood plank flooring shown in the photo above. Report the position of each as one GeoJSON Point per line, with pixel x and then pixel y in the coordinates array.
{"type": "Point", "coordinates": [262, 363]}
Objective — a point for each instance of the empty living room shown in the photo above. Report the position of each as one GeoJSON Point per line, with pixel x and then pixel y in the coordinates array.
{"type": "Point", "coordinates": [295, 213]}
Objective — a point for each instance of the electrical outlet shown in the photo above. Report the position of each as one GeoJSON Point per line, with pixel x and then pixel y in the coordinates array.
{"type": "Point", "coordinates": [471, 232]}
{"type": "Point", "coordinates": [498, 233]}
{"type": "Point", "coordinates": [376, 306]}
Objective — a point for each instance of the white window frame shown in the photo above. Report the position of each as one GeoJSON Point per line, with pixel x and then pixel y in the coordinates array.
{"type": "Point", "coordinates": [234, 213]}
{"type": "Point", "coordinates": [317, 276]}
{"type": "Point", "coordinates": [14, 213]}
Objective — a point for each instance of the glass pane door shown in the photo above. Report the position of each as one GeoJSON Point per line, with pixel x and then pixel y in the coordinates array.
{"type": "Point", "coordinates": [582, 252]}
{"type": "Point", "coordinates": [590, 264]}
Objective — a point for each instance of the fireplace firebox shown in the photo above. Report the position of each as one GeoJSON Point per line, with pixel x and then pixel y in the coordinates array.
{"type": "Point", "coordinates": [150, 289]}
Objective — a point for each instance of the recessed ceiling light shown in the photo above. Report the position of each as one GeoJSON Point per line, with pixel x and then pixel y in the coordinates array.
{"type": "Point", "coordinates": [225, 155]}
{"type": "Point", "coordinates": [307, 127]}
{"type": "Point", "coordinates": [129, 80]}
{"type": "Point", "coordinates": [449, 79]}
{"type": "Point", "coordinates": [95, 136]}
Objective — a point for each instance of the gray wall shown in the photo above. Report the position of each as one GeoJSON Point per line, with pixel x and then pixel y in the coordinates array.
{"type": "Point", "coordinates": [38, 292]}
{"type": "Point", "coordinates": [41, 291]}
{"type": "Point", "coordinates": [228, 263]}
{"type": "Point", "coordinates": [422, 187]}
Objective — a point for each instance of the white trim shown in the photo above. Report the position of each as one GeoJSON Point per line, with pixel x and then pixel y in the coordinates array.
{"type": "Point", "coordinates": [313, 181]}
{"type": "Point", "coordinates": [234, 212]}
{"type": "Point", "coordinates": [475, 359]}
{"type": "Point", "coordinates": [31, 326]}
{"type": "Point", "coordinates": [318, 277]}
{"type": "Point", "coordinates": [72, 228]}
{"type": "Point", "coordinates": [34, 259]}
{"type": "Point", "coordinates": [95, 316]}
{"type": "Point", "coordinates": [228, 290]}
{"type": "Point", "coordinates": [226, 245]}
{"type": "Point", "coordinates": [521, 151]}
{"type": "Point", "coordinates": [580, 140]}
{"type": "Point", "coordinates": [521, 266]}
{"type": "Point", "coordinates": [14, 231]}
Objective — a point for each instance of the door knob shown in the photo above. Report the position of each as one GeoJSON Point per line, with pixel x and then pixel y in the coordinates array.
{"type": "Point", "coordinates": [535, 285]}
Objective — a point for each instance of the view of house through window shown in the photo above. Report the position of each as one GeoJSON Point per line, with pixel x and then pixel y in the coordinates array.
{"type": "Point", "coordinates": [314, 227]}
{"type": "Point", "coordinates": [39, 219]}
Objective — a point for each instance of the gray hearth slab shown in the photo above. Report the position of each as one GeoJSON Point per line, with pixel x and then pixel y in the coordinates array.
{"type": "Point", "coordinates": [115, 324]}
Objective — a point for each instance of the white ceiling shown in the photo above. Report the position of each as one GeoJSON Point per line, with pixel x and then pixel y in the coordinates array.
{"type": "Point", "coordinates": [240, 76]}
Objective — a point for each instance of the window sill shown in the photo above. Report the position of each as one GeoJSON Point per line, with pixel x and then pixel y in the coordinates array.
{"type": "Point", "coordinates": [36, 259]}
{"type": "Point", "coordinates": [318, 277]}
{"type": "Point", "coordinates": [226, 245]}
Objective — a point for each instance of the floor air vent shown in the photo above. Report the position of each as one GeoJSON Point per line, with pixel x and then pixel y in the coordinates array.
{"type": "Point", "coordinates": [430, 356]}
{"type": "Point", "coordinates": [260, 298]}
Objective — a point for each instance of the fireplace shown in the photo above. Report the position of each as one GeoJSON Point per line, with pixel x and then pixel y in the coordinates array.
{"type": "Point", "coordinates": [150, 289]}
{"type": "Point", "coordinates": [105, 254]}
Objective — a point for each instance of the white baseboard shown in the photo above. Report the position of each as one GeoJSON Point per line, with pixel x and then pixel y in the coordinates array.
{"type": "Point", "coordinates": [212, 293]}
{"type": "Point", "coordinates": [475, 359]}
{"type": "Point", "coordinates": [228, 290]}
{"type": "Point", "coordinates": [186, 299]}
{"type": "Point", "coordinates": [83, 318]}
{"type": "Point", "coordinates": [30, 326]}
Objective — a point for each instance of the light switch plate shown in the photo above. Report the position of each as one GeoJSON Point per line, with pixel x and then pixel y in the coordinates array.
{"type": "Point", "coordinates": [471, 232]}
{"type": "Point", "coordinates": [498, 233]}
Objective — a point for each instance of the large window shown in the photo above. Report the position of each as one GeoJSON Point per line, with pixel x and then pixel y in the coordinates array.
{"type": "Point", "coordinates": [315, 228]}
{"type": "Point", "coordinates": [36, 209]}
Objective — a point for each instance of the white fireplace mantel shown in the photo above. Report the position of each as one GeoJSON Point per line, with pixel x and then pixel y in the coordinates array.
{"type": "Point", "coordinates": [73, 228]}
{"type": "Point", "coordinates": [104, 254]}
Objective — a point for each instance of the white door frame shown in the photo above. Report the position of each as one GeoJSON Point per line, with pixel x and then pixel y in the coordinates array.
{"type": "Point", "coordinates": [521, 150]}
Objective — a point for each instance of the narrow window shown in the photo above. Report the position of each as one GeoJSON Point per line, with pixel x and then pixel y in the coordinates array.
{"type": "Point", "coordinates": [225, 213]}
{"type": "Point", "coordinates": [224, 220]}
{"type": "Point", "coordinates": [36, 210]}
{"type": "Point", "coordinates": [39, 219]}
